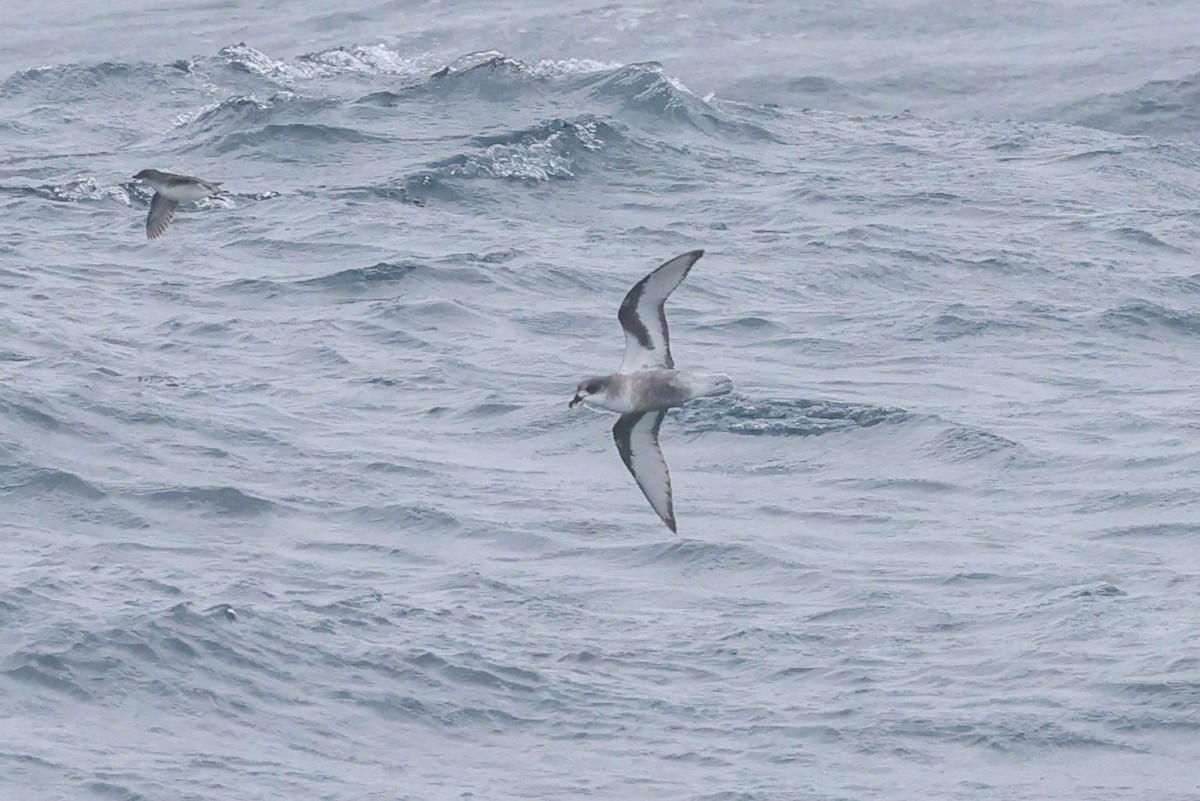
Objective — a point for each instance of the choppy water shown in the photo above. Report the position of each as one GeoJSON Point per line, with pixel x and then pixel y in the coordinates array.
{"type": "Point", "coordinates": [293, 506]}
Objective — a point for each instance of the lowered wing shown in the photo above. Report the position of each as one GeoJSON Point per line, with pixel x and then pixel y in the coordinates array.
{"type": "Point", "coordinates": [162, 211]}
{"type": "Point", "coordinates": [636, 435]}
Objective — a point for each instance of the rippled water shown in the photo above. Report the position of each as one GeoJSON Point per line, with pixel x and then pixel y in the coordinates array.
{"type": "Point", "coordinates": [294, 506]}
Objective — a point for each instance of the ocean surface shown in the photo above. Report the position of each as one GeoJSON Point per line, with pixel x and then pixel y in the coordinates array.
{"type": "Point", "coordinates": [292, 505]}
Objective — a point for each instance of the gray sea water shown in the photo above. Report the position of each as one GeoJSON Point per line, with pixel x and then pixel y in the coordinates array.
{"type": "Point", "coordinates": [292, 504]}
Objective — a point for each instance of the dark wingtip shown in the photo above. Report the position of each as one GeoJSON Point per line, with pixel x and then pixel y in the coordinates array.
{"type": "Point", "coordinates": [696, 254]}
{"type": "Point", "coordinates": [671, 525]}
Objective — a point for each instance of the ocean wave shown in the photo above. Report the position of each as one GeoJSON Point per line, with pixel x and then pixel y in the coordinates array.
{"type": "Point", "coordinates": [492, 685]}
{"type": "Point", "coordinates": [645, 90]}
{"type": "Point", "coordinates": [43, 480]}
{"type": "Point", "coordinates": [243, 57]}
{"type": "Point", "coordinates": [959, 443]}
{"type": "Point", "coordinates": [785, 418]}
{"type": "Point", "coordinates": [407, 517]}
{"type": "Point", "coordinates": [1165, 109]}
{"type": "Point", "coordinates": [750, 324]}
{"type": "Point", "coordinates": [1188, 530]}
{"type": "Point", "coordinates": [417, 189]}
{"type": "Point", "coordinates": [491, 63]}
{"type": "Point", "coordinates": [701, 554]}
{"type": "Point", "coordinates": [957, 322]}
{"type": "Point", "coordinates": [556, 150]}
{"type": "Point", "coordinates": [1180, 284]}
{"type": "Point", "coordinates": [47, 671]}
{"type": "Point", "coordinates": [84, 82]}
{"type": "Point", "coordinates": [250, 110]}
{"type": "Point", "coordinates": [1141, 236]}
{"type": "Point", "coordinates": [151, 650]}
{"type": "Point", "coordinates": [222, 501]}
{"type": "Point", "coordinates": [26, 412]}
{"type": "Point", "coordinates": [549, 151]}
{"type": "Point", "coordinates": [680, 553]}
{"type": "Point", "coordinates": [83, 190]}
{"type": "Point", "coordinates": [269, 139]}
{"type": "Point", "coordinates": [645, 87]}
{"type": "Point", "coordinates": [1146, 318]}
{"type": "Point", "coordinates": [534, 161]}
{"type": "Point", "coordinates": [473, 670]}
{"type": "Point", "coordinates": [938, 439]}
{"type": "Point", "coordinates": [641, 90]}
{"type": "Point", "coordinates": [11, 355]}
{"type": "Point", "coordinates": [360, 279]}
{"type": "Point", "coordinates": [490, 74]}
{"type": "Point", "coordinates": [364, 60]}
{"type": "Point", "coordinates": [377, 59]}
{"type": "Point", "coordinates": [1017, 734]}
{"type": "Point", "coordinates": [282, 126]}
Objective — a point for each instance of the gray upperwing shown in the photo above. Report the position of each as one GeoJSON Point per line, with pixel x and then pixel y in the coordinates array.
{"type": "Point", "coordinates": [647, 342]}
{"type": "Point", "coordinates": [162, 211]}
{"type": "Point", "coordinates": [636, 435]}
{"type": "Point", "coordinates": [188, 180]}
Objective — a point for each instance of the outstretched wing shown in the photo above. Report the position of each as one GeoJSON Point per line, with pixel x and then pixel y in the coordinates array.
{"type": "Point", "coordinates": [636, 435]}
{"type": "Point", "coordinates": [162, 211]}
{"type": "Point", "coordinates": [647, 343]}
{"type": "Point", "coordinates": [176, 181]}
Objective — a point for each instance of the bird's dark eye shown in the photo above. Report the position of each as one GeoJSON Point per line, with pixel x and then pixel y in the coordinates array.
{"type": "Point", "coordinates": [592, 387]}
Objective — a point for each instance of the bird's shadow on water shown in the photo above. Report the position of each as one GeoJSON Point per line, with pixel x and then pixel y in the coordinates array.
{"type": "Point", "coordinates": [739, 414]}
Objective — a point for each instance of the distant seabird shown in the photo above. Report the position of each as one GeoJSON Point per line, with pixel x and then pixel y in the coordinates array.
{"type": "Point", "coordinates": [647, 383]}
{"type": "Point", "coordinates": [169, 191]}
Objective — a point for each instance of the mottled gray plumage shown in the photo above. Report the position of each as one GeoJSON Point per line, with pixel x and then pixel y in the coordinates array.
{"type": "Point", "coordinates": [647, 382]}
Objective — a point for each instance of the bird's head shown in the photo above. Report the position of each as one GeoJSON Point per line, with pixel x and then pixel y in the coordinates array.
{"type": "Point", "coordinates": [589, 387]}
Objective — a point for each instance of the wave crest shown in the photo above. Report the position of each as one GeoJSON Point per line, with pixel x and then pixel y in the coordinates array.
{"type": "Point", "coordinates": [543, 153]}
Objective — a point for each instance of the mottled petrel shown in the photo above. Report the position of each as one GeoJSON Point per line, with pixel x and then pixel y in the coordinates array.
{"type": "Point", "coordinates": [647, 383]}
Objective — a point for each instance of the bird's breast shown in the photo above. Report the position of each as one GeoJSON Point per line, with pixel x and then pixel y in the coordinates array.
{"type": "Point", "coordinates": [651, 389]}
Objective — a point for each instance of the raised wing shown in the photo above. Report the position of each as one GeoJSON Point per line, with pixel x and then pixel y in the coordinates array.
{"type": "Point", "coordinates": [162, 211]}
{"type": "Point", "coordinates": [636, 435]}
{"type": "Point", "coordinates": [647, 343]}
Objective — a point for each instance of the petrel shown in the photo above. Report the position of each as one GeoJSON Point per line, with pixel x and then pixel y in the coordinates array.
{"type": "Point", "coordinates": [647, 383]}
{"type": "Point", "coordinates": [169, 191]}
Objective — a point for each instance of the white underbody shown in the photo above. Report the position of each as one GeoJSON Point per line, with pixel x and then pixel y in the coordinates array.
{"type": "Point", "coordinates": [182, 193]}
{"type": "Point", "coordinates": [658, 388]}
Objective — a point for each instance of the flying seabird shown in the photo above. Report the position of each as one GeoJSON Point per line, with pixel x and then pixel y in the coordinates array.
{"type": "Point", "coordinates": [169, 191]}
{"type": "Point", "coordinates": [647, 383]}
